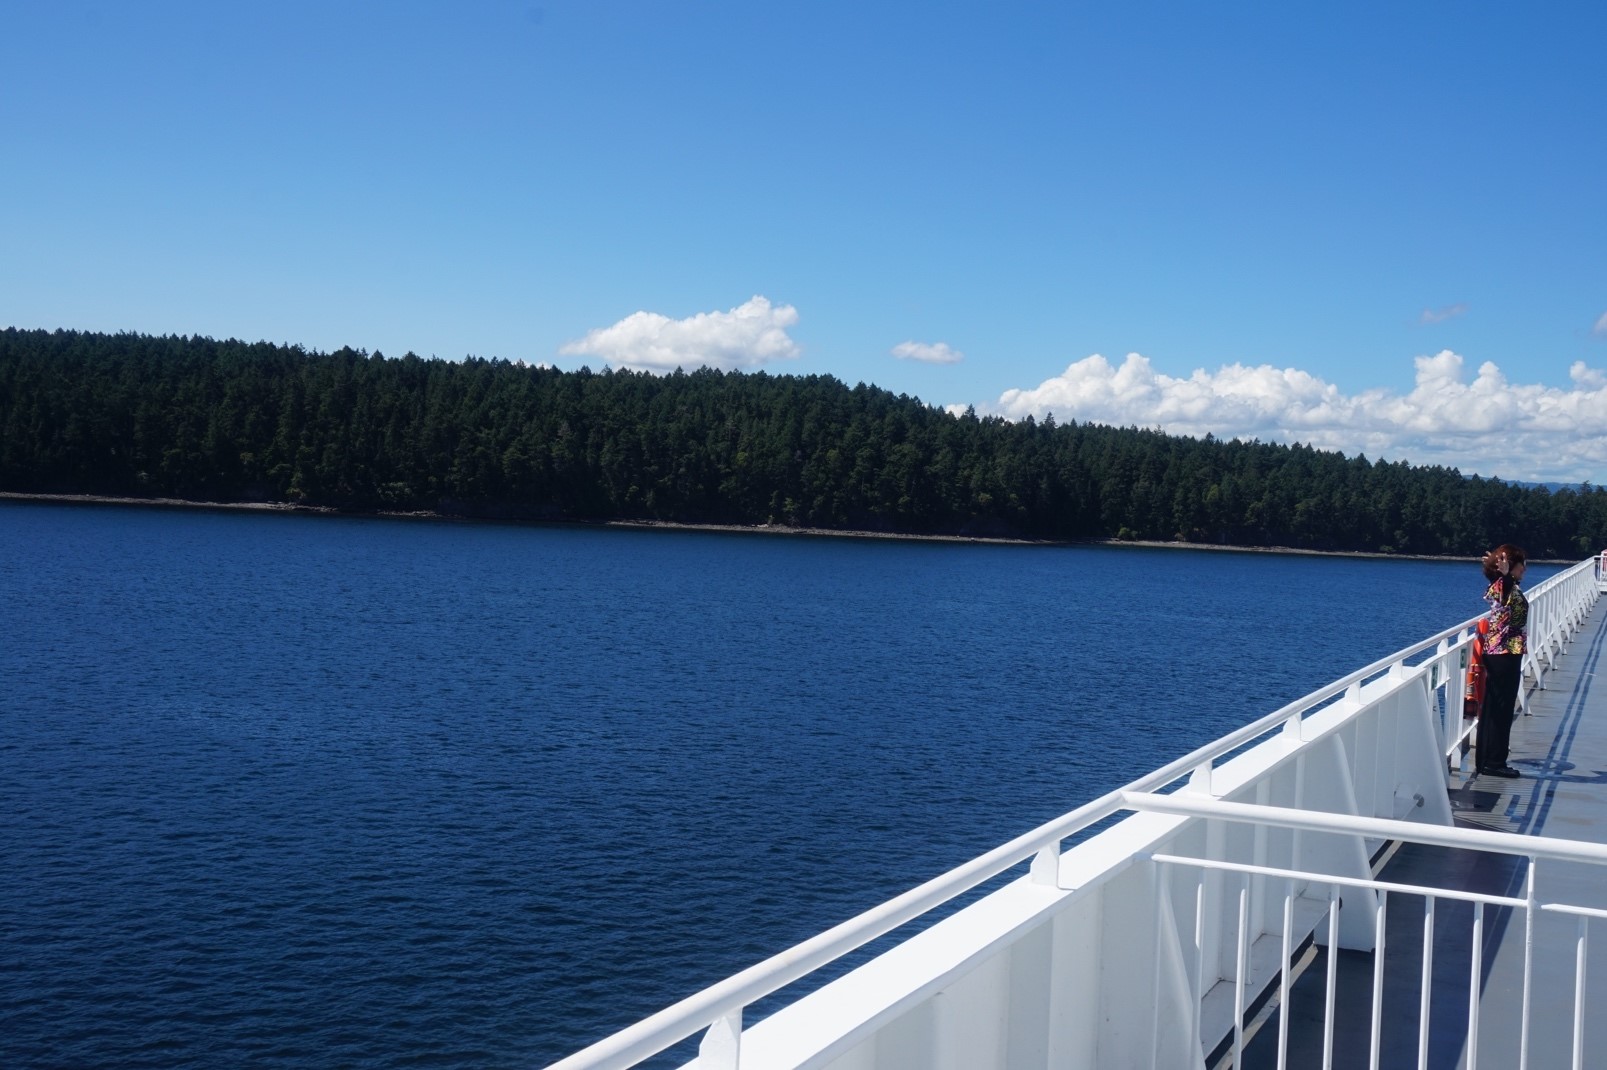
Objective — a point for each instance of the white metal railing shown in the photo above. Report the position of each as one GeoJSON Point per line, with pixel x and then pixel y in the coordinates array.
{"type": "Point", "coordinates": [1556, 606]}
{"type": "Point", "coordinates": [1534, 849]}
{"type": "Point", "coordinates": [1431, 669]}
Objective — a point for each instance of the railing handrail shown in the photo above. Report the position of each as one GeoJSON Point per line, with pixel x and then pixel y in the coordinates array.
{"type": "Point", "coordinates": [680, 1020]}
{"type": "Point", "coordinates": [1550, 848]}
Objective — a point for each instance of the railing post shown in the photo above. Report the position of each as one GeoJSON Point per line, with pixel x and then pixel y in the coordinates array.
{"type": "Point", "coordinates": [1379, 936]}
{"type": "Point", "coordinates": [721, 1047]}
{"type": "Point", "coordinates": [1476, 960]}
{"type": "Point", "coordinates": [1529, 911]}
{"type": "Point", "coordinates": [1046, 865]}
{"type": "Point", "coordinates": [1425, 983]}
{"type": "Point", "coordinates": [1581, 960]}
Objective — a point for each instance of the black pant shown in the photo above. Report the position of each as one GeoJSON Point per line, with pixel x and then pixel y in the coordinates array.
{"type": "Point", "coordinates": [1502, 672]}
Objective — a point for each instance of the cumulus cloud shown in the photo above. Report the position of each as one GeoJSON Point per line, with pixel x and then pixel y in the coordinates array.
{"type": "Point", "coordinates": [1488, 425]}
{"type": "Point", "coordinates": [1440, 315]}
{"type": "Point", "coordinates": [928, 353]}
{"type": "Point", "coordinates": [747, 336]}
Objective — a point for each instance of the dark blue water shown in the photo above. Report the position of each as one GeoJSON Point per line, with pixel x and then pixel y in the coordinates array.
{"type": "Point", "coordinates": [288, 790]}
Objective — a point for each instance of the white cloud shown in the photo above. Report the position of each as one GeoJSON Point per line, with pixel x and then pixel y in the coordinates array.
{"type": "Point", "coordinates": [1601, 326]}
{"type": "Point", "coordinates": [1489, 425]}
{"type": "Point", "coordinates": [749, 335]}
{"type": "Point", "coordinates": [1440, 315]}
{"type": "Point", "coordinates": [928, 353]}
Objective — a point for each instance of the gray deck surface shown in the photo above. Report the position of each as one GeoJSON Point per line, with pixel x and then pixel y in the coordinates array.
{"type": "Point", "coordinates": [1561, 747]}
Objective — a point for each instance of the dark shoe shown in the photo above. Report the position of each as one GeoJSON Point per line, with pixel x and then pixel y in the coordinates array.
{"type": "Point", "coordinates": [1501, 770]}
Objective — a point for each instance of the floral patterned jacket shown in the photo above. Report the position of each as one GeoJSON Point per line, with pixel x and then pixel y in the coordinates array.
{"type": "Point", "coordinates": [1509, 618]}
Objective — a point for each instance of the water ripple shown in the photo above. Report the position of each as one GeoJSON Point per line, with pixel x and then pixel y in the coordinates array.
{"type": "Point", "coordinates": [290, 792]}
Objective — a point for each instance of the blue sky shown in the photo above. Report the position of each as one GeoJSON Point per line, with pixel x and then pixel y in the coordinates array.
{"type": "Point", "coordinates": [1377, 228]}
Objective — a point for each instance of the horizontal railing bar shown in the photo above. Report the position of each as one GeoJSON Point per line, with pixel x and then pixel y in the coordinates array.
{"type": "Point", "coordinates": [1191, 761]}
{"type": "Point", "coordinates": [1510, 843]}
{"type": "Point", "coordinates": [1578, 912]}
{"type": "Point", "coordinates": [680, 1020]}
{"type": "Point", "coordinates": [1334, 878]}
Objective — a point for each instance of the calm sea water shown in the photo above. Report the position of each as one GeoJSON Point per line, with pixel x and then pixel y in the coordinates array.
{"type": "Point", "coordinates": [291, 791]}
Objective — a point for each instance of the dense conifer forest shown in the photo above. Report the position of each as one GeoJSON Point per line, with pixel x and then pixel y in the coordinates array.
{"type": "Point", "coordinates": [227, 421]}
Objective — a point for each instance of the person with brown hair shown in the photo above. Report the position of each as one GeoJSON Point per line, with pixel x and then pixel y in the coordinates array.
{"type": "Point", "coordinates": [1504, 647]}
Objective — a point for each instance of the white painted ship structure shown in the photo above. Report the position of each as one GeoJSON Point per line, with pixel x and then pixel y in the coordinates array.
{"type": "Point", "coordinates": [1325, 887]}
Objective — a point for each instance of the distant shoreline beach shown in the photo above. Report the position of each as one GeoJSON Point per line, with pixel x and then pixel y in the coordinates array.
{"type": "Point", "coordinates": [666, 525]}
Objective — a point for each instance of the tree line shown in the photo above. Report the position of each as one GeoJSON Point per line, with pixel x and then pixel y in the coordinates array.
{"type": "Point", "coordinates": [206, 420]}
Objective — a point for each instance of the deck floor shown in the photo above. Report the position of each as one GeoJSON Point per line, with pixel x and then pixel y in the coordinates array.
{"type": "Point", "coordinates": [1561, 747]}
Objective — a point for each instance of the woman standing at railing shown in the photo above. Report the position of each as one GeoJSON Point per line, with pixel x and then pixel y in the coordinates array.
{"type": "Point", "coordinates": [1504, 647]}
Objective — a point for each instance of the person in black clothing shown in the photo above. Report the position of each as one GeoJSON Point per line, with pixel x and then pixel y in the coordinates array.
{"type": "Point", "coordinates": [1504, 647]}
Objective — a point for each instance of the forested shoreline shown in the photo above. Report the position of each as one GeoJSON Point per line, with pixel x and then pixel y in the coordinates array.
{"type": "Point", "coordinates": [196, 419]}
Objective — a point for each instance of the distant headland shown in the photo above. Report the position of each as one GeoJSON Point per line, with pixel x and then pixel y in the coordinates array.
{"type": "Point", "coordinates": [192, 420]}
